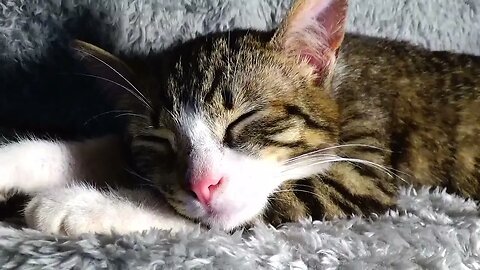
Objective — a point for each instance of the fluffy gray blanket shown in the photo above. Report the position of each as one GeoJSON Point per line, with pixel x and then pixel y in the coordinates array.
{"type": "Point", "coordinates": [431, 230]}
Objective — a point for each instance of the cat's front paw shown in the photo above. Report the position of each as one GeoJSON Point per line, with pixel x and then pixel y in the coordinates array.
{"type": "Point", "coordinates": [68, 212]}
{"type": "Point", "coordinates": [77, 210]}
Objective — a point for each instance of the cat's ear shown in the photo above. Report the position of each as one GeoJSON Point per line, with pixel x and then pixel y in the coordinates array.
{"type": "Point", "coordinates": [110, 73]}
{"type": "Point", "coordinates": [313, 31]}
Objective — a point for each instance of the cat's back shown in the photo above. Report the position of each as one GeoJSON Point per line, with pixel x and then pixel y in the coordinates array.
{"type": "Point", "coordinates": [424, 106]}
{"type": "Point", "coordinates": [400, 63]}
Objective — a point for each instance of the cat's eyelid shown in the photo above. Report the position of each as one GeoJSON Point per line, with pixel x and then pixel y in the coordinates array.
{"type": "Point", "coordinates": [167, 134]}
{"type": "Point", "coordinates": [247, 115]}
{"type": "Point", "coordinates": [152, 139]}
{"type": "Point", "coordinates": [243, 117]}
{"type": "Point", "coordinates": [161, 133]}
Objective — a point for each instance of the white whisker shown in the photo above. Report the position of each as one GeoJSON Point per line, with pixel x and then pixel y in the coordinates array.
{"type": "Point", "coordinates": [308, 163]}
{"type": "Point", "coordinates": [309, 157]}
{"type": "Point", "coordinates": [132, 114]}
{"type": "Point", "coordinates": [102, 114]}
{"type": "Point", "coordinates": [132, 92]}
{"type": "Point", "coordinates": [142, 97]}
{"type": "Point", "coordinates": [335, 147]}
{"type": "Point", "coordinates": [139, 176]}
{"type": "Point", "coordinates": [365, 162]}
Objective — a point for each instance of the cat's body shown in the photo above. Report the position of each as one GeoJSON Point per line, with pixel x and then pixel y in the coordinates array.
{"type": "Point", "coordinates": [419, 108]}
{"type": "Point", "coordinates": [420, 105]}
{"type": "Point", "coordinates": [237, 127]}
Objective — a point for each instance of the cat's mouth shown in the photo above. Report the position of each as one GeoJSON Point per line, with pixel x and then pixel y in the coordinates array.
{"type": "Point", "coordinates": [230, 213]}
{"type": "Point", "coordinates": [230, 208]}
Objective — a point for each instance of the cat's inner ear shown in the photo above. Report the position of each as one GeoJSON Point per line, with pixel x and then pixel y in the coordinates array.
{"type": "Point", "coordinates": [313, 31]}
{"type": "Point", "coordinates": [109, 71]}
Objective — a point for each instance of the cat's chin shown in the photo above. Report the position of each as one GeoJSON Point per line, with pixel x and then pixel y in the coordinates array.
{"type": "Point", "coordinates": [228, 216]}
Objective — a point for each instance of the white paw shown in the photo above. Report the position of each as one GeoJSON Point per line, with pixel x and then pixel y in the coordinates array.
{"type": "Point", "coordinates": [77, 210]}
{"type": "Point", "coordinates": [68, 211]}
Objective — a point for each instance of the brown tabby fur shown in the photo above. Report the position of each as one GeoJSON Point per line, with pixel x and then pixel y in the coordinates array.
{"type": "Point", "coordinates": [420, 107]}
{"type": "Point", "coordinates": [420, 111]}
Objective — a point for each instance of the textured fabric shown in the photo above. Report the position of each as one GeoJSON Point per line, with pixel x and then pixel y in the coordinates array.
{"type": "Point", "coordinates": [430, 230]}
{"type": "Point", "coordinates": [27, 27]}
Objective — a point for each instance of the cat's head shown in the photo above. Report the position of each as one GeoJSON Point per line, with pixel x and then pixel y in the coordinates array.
{"type": "Point", "coordinates": [220, 123]}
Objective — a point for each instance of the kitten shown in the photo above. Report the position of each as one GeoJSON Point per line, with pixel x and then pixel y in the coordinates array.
{"type": "Point", "coordinates": [244, 126]}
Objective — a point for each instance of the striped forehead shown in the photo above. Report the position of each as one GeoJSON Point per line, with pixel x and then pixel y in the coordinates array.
{"type": "Point", "coordinates": [221, 75]}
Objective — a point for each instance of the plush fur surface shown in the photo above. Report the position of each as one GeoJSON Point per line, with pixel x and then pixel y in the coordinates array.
{"type": "Point", "coordinates": [430, 229]}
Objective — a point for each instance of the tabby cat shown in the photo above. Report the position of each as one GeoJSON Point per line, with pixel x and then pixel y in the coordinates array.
{"type": "Point", "coordinates": [247, 126]}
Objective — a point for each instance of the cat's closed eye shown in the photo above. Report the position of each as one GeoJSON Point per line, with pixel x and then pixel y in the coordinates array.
{"type": "Point", "coordinates": [229, 137]}
{"type": "Point", "coordinates": [163, 139]}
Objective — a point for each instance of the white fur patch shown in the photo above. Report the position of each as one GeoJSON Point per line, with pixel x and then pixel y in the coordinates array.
{"type": "Point", "coordinates": [248, 181]}
{"type": "Point", "coordinates": [81, 209]}
{"type": "Point", "coordinates": [32, 165]}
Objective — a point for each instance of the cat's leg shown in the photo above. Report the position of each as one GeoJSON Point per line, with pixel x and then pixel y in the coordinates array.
{"type": "Point", "coordinates": [31, 165]}
{"type": "Point", "coordinates": [82, 209]}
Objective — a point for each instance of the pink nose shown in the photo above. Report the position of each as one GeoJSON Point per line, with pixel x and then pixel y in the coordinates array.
{"type": "Point", "coordinates": [205, 187]}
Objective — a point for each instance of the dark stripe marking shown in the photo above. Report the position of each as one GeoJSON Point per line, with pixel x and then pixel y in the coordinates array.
{"type": "Point", "coordinates": [216, 81]}
{"type": "Point", "coordinates": [365, 203]}
{"type": "Point", "coordinates": [313, 203]}
{"type": "Point", "coordinates": [227, 97]}
{"type": "Point", "coordinates": [297, 111]}
{"type": "Point", "coordinates": [356, 135]}
{"type": "Point", "coordinates": [295, 144]}
{"type": "Point", "coordinates": [152, 139]}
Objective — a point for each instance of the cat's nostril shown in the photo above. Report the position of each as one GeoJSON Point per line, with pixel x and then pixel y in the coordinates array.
{"type": "Point", "coordinates": [205, 187]}
{"type": "Point", "coordinates": [212, 188]}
